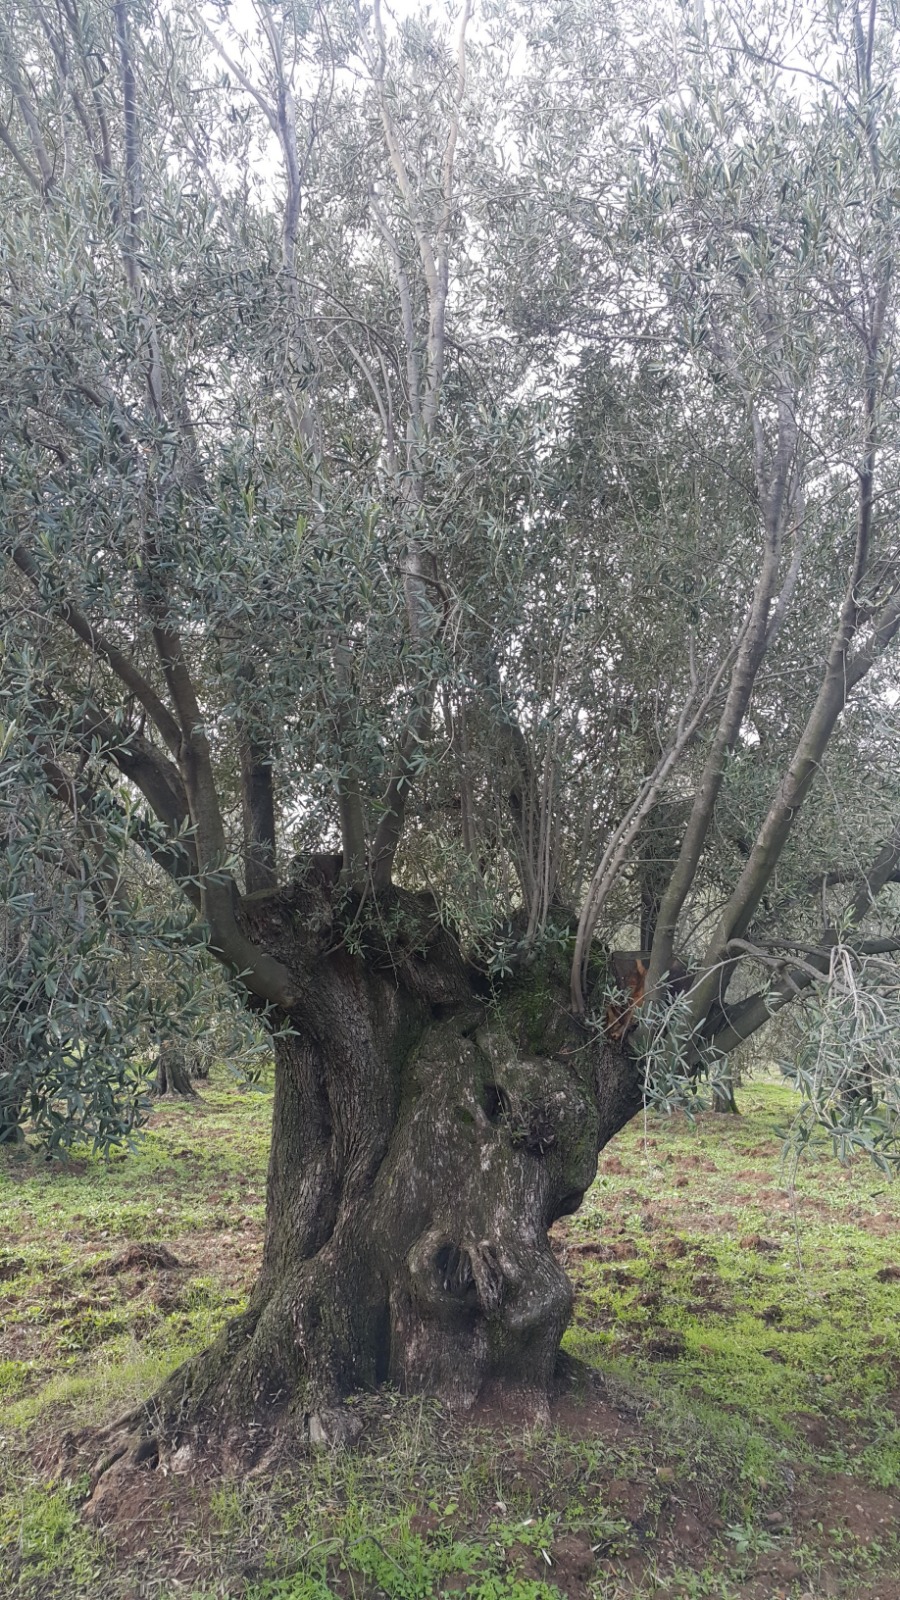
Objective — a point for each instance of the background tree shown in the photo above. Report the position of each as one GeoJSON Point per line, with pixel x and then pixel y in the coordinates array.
{"type": "Point", "coordinates": [419, 479]}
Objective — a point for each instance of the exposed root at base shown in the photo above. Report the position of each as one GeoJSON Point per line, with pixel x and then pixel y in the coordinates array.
{"type": "Point", "coordinates": [127, 1461]}
{"type": "Point", "coordinates": [126, 1452]}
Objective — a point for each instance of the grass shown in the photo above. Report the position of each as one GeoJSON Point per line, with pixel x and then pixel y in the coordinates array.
{"type": "Point", "coordinates": [772, 1309]}
{"type": "Point", "coordinates": [739, 1438]}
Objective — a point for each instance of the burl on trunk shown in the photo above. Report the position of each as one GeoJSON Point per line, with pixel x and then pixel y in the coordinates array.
{"type": "Point", "coordinates": [427, 1132]}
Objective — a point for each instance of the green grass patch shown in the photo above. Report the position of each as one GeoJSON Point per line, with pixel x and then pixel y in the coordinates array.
{"type": "Point", "coordinates": [768, 1307]}
{"type": "Point", "coordinates": [44, 1538]}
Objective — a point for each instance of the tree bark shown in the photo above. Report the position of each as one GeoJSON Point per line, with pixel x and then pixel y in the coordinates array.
{"type": "Point", "coordinates": [426, 1135]}
{"type": "Point", "coordinates": [723, 1097]}
{"type": "Point", "coordinates": [198, 1064]}
{"type": "Point", "coordinates": [172, 1073]}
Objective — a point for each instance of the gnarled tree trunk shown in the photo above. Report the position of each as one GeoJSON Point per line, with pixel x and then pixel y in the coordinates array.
{"type": "Point", "coordinates": [426, 1135]}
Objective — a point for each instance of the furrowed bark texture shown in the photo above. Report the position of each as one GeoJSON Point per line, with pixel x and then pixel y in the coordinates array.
{"type": "Point", "coordinates": [426, 1135]}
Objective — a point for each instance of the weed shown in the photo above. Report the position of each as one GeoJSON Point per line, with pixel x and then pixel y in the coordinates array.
{"type": "Point", "coordinates": [749, 1540]}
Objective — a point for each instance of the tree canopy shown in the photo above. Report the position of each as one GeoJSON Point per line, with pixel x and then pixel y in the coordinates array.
{"type": "Point", "coordinates": [465, 448]}
{"type": "Point", "coordinates": [451, 460]}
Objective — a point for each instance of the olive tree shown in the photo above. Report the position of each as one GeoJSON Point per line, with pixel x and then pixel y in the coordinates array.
{"type": "Point", "coordinates": [447, 488]}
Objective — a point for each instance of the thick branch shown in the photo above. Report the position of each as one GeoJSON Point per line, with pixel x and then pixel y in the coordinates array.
{"type": "Point", "coordinates": [842, 674]}
{"type": "Point", "coordinates": [159, 781]}
{"type": "Point", "coordinates": [390, 828]}
{"type": "Point", "coordinates": [218, 896]}
{"type": "Point", "coordinates": [691, 718]}
{"type": "Point", "coordinates": [841, 677]}
{"type": "Point", "coordinates": [750, 1014]}
{"type": "Point", "coordinates": [775, 503]}
{"type": "Point", "coordinates": [420, 572]}
{"type": "Point", "coordinates": [349, 787]}
{"type": "Point", "coordinates": [135, 186]}
{"type": "Point", "coordinates": [258, 811]}
{"type": "Point", "coordinates": [105, 650]}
